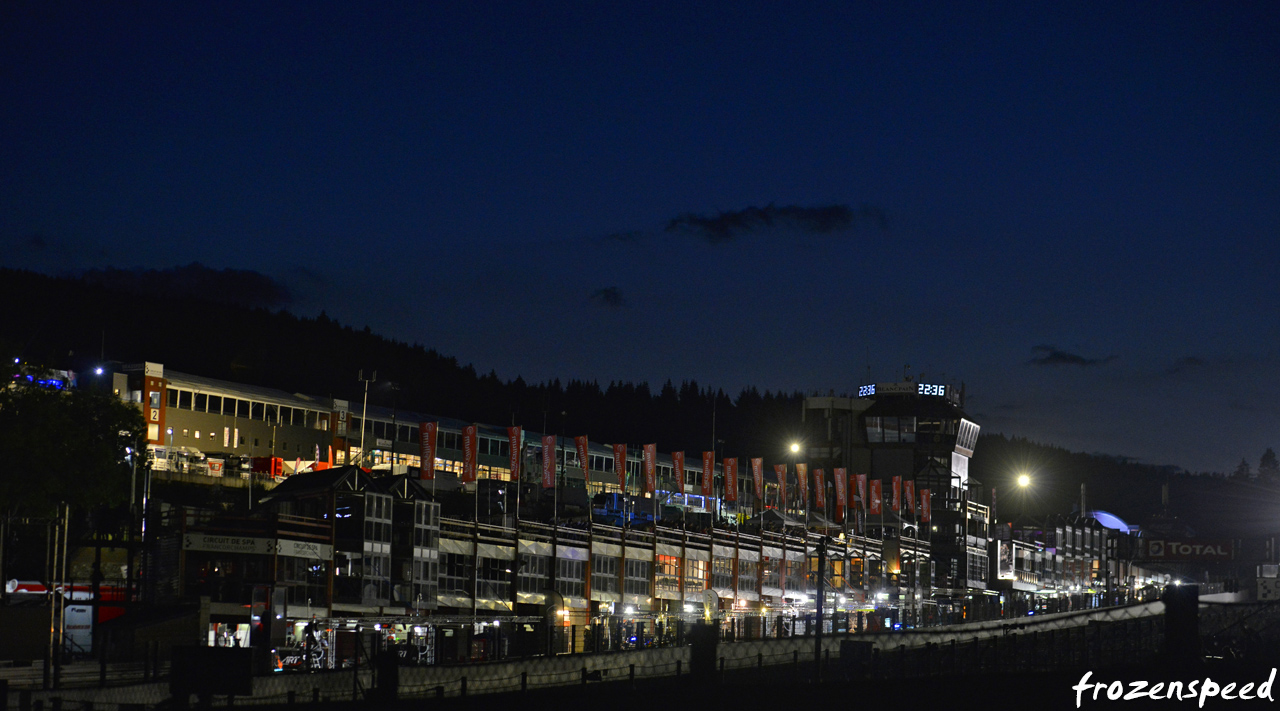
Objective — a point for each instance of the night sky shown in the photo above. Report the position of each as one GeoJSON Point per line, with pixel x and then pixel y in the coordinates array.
{"type": "Point", "coordinates": [1072, 208]}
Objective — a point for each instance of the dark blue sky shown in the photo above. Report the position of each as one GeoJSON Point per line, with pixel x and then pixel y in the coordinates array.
{"type": "Point", "coordinates": [1074, 209]}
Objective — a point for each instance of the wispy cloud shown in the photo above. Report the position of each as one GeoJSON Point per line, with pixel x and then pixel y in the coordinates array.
{"type": "Point", "coordinates": [609, 297]}
{"type": "Point", "coordinates": [1051, 355]}
{"type": "Point", "coordinates": [1183, 365]}
{"type": "Point", "coordinates": [231, 286]}
{"type": "Point", "coordinates": [824, 219]}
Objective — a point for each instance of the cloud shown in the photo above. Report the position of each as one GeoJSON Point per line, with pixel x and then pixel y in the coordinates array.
{"type": "Point", "coordinates": [625, 236]}
{"type": "Point", "coordinates": [242, 287]}
{"type": "Point", "coordinates": [824, 219]}
{"type": "Point", "coordinates": [1050, 355]}
{"type": "Point", "coordinates": [609, 297]}
{"type": "Point", "coordinates": [36, 243]}
{"type": "Point", "coordinates": [1183, 365]}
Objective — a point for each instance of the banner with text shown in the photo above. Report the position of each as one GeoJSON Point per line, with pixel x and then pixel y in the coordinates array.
{"type": "Point", "coordinates": [549, 461]}
{"type": "Point", "coordinates": [470, 445]}
{"type": "Point", "coordinates": [731, 479]}
{"type": "Point", "coordinates": [620, 465]}
{"type": "Point", "coordinates": [841, 481]}
{"type": "Point", "coordinates": [584, 456]}
{"type": "Point", "coordinates": [426, 449]}
{"type": "Point", "coordinates": [651, 468]}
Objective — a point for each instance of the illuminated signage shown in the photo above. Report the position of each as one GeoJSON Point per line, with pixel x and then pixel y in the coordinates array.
{"type": "Point", "coordinates": [1004, 563]}
{"type": "Point", "coordinates": [1167, 550]}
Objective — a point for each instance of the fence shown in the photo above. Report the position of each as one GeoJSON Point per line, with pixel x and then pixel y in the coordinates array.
{"type": "Point", "coordinates": [1092, 639]}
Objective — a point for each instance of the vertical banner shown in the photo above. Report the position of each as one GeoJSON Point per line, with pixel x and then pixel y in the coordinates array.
{"type": "Point", "coordinates": [651, 468]}
{"type": "Point", "coordinates": [584, 456]}
{"type": "Point", "coordinates": [549, 462]}
{"type": "Point", "coordinates": [470, 444]}
{"type": "Point", "coordinates": [620, 465]}
{"type": "Point", "coordinates": [708, 473]}
{"type": "Point", "coordinates": [862, 490]}
{"type": "Point", "coordinates": [781, 471]}
{"type": "Point", "coordinates": [802, 485]}
{"type": "Point", "coordinates": [757, 476]}
{"type": "Point", "coordinates": [426, 449]}
{"type": "Point", "coordinates": [515, 441]}
{"type": "Point", "coordinates": [731, 479]}
{"type": "Point", "coordinates": [895, 499]}
{"type": "Point", "coordinates": [677, 469]}
{"type": "Point", "coordinates": [841, 480]}
{"type": "Point", "coordinates": [909, 495]}
{"type": "Point", "coordinates": [925, 515]}
{"type": "Point", "coordinates": [877, 496]}
{"type": "Point", "coordinates": [993, 505]}
{"type": "Point", "coordinates": [819, 490]}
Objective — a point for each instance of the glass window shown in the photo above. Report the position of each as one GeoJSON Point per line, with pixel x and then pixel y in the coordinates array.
{"type": "Point", "coordinates": [202, 402]}
{"type": "Point", "coordinates": [173, 398]}
{"type": "Point", "coordinates": [604, 573]}
{"type": "Point", "coordinates": [875, 429]}
{"type": "Point", "coordinates": [907, 426]}
{"type": "Point", "coordinates": [184, 399]}
{"type": "Point", "coordinates": [668, 578]}
{"type": "Point", "coordinates": [215, 404]}
{"type": "Point", "coordinates": [637, 577]}
{"type": "Point", "coordinates": [256, 411]}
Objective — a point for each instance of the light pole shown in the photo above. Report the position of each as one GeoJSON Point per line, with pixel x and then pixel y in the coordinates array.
{"type": "Point", "coordinates": [364, 414]}
{"type": "Point", "coordinates": [795, 450]}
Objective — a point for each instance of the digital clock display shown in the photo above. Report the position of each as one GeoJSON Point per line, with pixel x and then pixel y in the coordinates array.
{"type": "Point", "coordinates": [934, 390]}
{"type": "Point", "coordinates": [866, 391]}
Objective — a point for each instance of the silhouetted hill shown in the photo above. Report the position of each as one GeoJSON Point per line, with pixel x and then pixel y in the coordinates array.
{"type": "Point", "coordinates": [188, 319]}
{"type": "Point", "coordinates": [130, 316]}
{"type": "Point", "coordinates": [1210, 505]}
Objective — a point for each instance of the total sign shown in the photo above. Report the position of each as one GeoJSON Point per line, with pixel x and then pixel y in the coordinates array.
{"type": "Point", "coordinates": [1166, 550]}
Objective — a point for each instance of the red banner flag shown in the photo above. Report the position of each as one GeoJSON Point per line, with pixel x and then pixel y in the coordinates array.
{"type": "Point", "coordinates": [862, 490]}
{"type": "Point", "coordinates": [620, 465]}
{"type": "Point", "coordinates": [925, 514]}
{"type": "Point", "coordinates": [841, 481]}
{"type": "Point", "coordinates": [677, 468]}
{"type": "Point", "coordinates": [877, 496]}
{"type": "Point", "coordinates": [470, 446]}
{"type": "Point", "coordinates": [549, 461]}
{"type": "Point", "coordinates": [708, 473]}
{"type": "Point", "coordinates": [819, 490]}
{"type": "Point", "coordinates": [584, 456]}
{"type": "Point", "coordinates": [651, 468]}
{"type": "Point", "coordinates": [757, 476]}
{"type": "Point", "coordinates": [781, 471]}
{"type": "Point", "coordinates": [802, 484]}
{"type": "Point", "coordinates": [515, 441]}
{"type": "Point", "coordinates": [909, 495]}
{"type": "Point", "coordinates": [895, 499]}
{"type": "Point", "coordinates": [426, 449]}
{"type": "Point", "coordinates": [730, 479]}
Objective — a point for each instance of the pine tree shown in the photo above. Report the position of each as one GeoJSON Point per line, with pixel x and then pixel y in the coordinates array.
{"type": "Point", "coordinates": [1242, 471]}
{"type": "Point", "coordinates": [1269, 466]}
